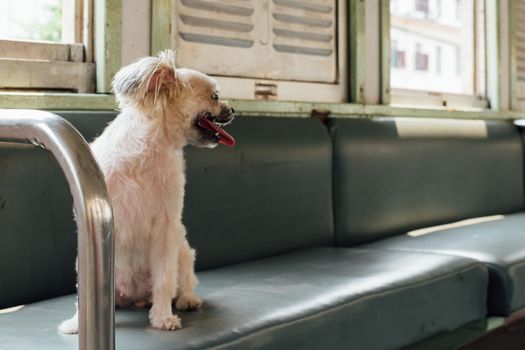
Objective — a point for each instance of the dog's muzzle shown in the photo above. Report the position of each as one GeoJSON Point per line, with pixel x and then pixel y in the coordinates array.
{"type": "Point", "coordinates": [212, 126]}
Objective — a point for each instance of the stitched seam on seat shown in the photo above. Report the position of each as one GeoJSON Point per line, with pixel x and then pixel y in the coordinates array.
{"type": "Point", "coordinates": [346, 304]}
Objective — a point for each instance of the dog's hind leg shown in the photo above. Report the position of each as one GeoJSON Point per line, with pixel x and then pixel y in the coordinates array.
{"type": "Point", "coordinates": [70, 326]}
{"type": "Point", "coordinates": [164, 256]}
{"type": "Point", "coordinates": [186, 298]}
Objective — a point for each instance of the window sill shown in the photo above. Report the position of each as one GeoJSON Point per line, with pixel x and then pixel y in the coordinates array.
{"type": "Point", "coordinates": [57, 101]}
{"type": "Point", "coordinates": [102, 102]}
{"type": "Point", "coordinates": [341, 110]}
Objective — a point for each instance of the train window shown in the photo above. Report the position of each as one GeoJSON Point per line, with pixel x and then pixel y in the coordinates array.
{"type": "Point", "coordinates": [441, 43]}
{"type": "Point", "coordinates": [46, 45]}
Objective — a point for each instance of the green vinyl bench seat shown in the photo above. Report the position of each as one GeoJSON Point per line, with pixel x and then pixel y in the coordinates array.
{"type": "Point", "coordinates": [306, 299]}
{"type": "Point", "coordinates": [288, 227]}
{"type": "Point", "coordinates": [397, 175]}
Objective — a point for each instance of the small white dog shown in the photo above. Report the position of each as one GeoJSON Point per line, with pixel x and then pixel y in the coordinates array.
{"type": "Point", "coordinates": [141, 156]}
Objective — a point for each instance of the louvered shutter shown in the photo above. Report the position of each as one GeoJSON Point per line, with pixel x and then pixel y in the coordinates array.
{"type": "Point", "coordinates": [266, 39]}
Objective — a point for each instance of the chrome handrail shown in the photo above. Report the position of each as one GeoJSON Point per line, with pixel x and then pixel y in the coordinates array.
{"type": "Point", "coordinates": [93, 212]}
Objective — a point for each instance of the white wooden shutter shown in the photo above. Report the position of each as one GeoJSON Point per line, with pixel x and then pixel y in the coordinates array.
{"type": "Point", "coordinates": [266, 39]}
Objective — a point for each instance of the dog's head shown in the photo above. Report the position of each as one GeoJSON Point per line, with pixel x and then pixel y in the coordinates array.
{"type": "Point", "coordinates": [186, 102]}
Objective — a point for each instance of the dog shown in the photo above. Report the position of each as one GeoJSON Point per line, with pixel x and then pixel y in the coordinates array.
{"type": "Point", "coordinates": [162, 109]}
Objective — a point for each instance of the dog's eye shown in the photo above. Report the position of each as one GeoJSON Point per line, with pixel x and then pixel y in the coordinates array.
{"type": "Point", "coordinates": [215, 97]}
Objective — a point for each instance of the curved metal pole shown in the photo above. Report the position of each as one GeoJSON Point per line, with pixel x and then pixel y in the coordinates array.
{"type": "Point", "coordinates": [94, 217]}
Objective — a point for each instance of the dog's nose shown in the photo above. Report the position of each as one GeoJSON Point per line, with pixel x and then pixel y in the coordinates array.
{"type": "Point", "coordinates": [233, 110]}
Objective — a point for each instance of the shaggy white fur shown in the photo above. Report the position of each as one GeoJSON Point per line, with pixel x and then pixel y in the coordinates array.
{"type": "Point", "coordinates": [141, 156]}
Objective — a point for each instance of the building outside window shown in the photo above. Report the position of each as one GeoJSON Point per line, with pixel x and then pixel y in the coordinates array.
{"type": "Point", "coordinates": [398, 56]}
{"type": "Point", "coordinates": [438, 8]}
{"type": "Point", "coordinates": [421, 59]}
{"type": "Point", "coordinates": [438, 60]}
{"type": "Point", "coordinates": [435, 40]}
{"type": "Point", "coordinates": [422, 6]}
{"type": "Point", "coordinates": [457, 60]}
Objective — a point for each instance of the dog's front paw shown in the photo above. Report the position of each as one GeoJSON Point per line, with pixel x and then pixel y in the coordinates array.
{"type": "Point", "coordinates": [69, 326]}
{"type": "Point", "coordinates": [168, 323]}
{"type": "Point", "coordinates": [187, 302]}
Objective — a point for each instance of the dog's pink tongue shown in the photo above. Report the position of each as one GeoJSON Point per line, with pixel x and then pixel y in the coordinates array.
{"type": "Point", "coordinates": [224, 138]}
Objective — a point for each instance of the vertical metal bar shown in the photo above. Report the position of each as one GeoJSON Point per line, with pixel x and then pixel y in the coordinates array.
{"type": "Point", "coordinates": [93, 216]}
{"type": "Point", "coordinates": [504, 55]}
{"type": "Point", "coordinates": [493, 52]}
{"type": "Point", "coordinates": [88, 35]}
{"type": "Point", "coordinates": [162, 12]}
{"type": "Point", "coordinates": [480, 73]}
{"type": "Point", "coordinates": [513, 56]}
{"type": "Point", "coordinates": [108, 41]}
{"type": "Point", "coordinates": [342, 32]}
{"type": "Point", "coordinates": [385, 52]}
{"type": "Point", "coordinates": [357, 50]}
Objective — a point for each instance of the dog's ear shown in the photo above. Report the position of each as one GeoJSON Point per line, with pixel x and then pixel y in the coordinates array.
{"type": "Point", "coordinates": [149, 75]}
{"type": "Point", "coordinates": [163, 78]}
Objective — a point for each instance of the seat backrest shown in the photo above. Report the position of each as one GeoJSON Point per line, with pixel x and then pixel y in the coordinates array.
{"type": "Point", "coordinates": [392, 175]}
{"type": "Point", "coordinates": [269, 194]}
{"type": "Point", "coordinates": [37, 231]}
{"type": "Point", "coordinates": [38, 240]}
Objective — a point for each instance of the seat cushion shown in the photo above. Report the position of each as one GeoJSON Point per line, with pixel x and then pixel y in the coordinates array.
{"type": "Point", "coordinates": [498, 241]}
{"type": "Point", "coordinates": [392, 175]}
{"type": "Point", "coordinates": [320, 298]}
